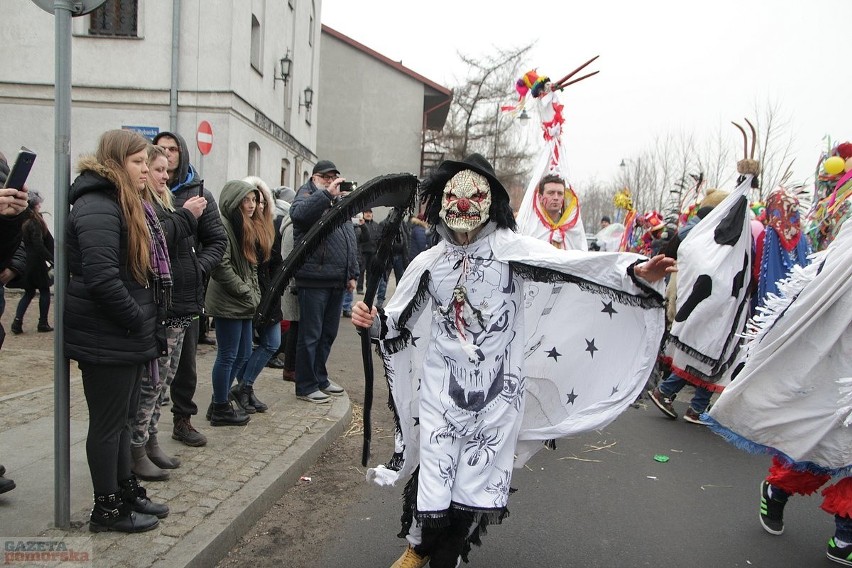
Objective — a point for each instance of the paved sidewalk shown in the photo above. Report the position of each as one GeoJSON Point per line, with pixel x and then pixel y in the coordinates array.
{"type": "Point", "coordinates": [216, 495]}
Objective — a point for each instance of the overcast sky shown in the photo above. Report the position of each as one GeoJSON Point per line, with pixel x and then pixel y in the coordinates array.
{"type": "Point", "coordinates": [666, 66]}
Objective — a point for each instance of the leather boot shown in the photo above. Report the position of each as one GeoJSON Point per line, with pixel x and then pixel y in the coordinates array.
{"type": "Point", "coordinates": [253, 400]}
{"type": "Point", "coordinates": [240, 395]}
{"type": "Point", "coordinates": [111, 513]}
{"type": "Point", "coordinates": [17, 326]}
{"type": "Point", "coordinates": [186, 433]}
{"type": "Point", "coordinates": [135, 495]}
{"type": "Point", "coordinates": [44, 327]}
{"type": "Point", "coordinates": [144, 468]}
{"type": "Point", "coordinates": [158, 456]}
{"type": "Point", "coordinates": [224, 415]}
{"type": "Point", "coordinates": [6, 484]}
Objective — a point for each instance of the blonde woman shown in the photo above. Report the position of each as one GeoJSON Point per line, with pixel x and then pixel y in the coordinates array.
{"type": "Point", "coordinates": [116, 279]}
{"type": "Point", "coordinates": [150, 462]}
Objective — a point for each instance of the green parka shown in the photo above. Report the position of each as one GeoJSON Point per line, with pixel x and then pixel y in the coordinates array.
{"type": "Point", "coordinates": [233, 291]}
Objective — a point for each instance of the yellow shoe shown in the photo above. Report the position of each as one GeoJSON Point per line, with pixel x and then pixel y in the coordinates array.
{"type": "Point", "coordinates": [410, 559]}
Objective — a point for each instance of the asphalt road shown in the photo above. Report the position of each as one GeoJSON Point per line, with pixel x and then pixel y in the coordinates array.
{"type": "Point", "coordinates": [603, 500]}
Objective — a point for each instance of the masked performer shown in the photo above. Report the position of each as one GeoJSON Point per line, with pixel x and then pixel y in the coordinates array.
{"type": "Point", "coordinates": [482, 366]}
{"type": "Point", "coordinates": [793, 398]}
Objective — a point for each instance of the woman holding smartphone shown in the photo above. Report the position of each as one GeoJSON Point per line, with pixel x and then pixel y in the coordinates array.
{"type": "Point", "coordinates": [179, 225]}
{"type": "Point", "coordinates": [116, 278]}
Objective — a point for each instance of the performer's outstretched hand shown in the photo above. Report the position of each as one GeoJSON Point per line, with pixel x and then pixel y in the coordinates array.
{"type": "Point", "coordinates": [362, 317]}
{"type": "Point", "coordinates": [656, 268]}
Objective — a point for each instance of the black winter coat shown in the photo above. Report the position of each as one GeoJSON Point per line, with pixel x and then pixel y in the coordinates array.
{"type": "Point", "coordinates": [197, 253]}
{"type": "Point", "coordinates": [335, 261]}
{"type": "Point", "coordinates": [110, 319]}
{"type": "Point", "coordinates": [39, 253]}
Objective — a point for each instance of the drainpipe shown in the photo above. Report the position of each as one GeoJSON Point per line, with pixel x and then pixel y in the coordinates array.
{"type": "Point", "coordinates": [173, 89]}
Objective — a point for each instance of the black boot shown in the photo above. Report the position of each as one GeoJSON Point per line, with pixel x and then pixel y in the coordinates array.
{"type": "Point", "coordinates": [158, 456]}
{"type": "Point", "coordinates": [44, 327]}
{"type": "Point", "coordinates": [224, 415]}
{"type": "Point", "coordinates": [255, 402]}
{"type": "Point", "coordinates": [111, 513]}
{"type": "Point", "coordinates": [17, 326]}
{"type": "Point", "coordinates": [5, 484]}
{"type": "Point", "coordinates": [136, 496]}
{"type": "Point", "coordinates": [240, 395]}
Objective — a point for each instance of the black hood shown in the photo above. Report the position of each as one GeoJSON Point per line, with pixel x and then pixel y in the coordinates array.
{"type": "Point", "coordinates": [93, 177]}
{"type": "Point", "coordinates": [183, 163]}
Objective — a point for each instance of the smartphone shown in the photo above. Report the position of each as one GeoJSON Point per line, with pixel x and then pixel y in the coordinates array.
{"type": "Point", "coordinates": [21, 169]}
{"type": "Point", "coordinates": [200, 193]}
{"type": "Point", "coordinates": [345, 186]}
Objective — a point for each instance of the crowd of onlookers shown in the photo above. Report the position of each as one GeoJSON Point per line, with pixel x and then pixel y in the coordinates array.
{"type": "Point", "coordinates": [154, 262]}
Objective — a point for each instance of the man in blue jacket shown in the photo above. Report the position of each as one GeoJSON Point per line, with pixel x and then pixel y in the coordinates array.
{"type": "Point", "coordinates": [327, 273]}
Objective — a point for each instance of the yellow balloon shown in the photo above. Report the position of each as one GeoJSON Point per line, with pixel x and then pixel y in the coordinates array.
{"type": "Point", "coordinates": [834, 165]}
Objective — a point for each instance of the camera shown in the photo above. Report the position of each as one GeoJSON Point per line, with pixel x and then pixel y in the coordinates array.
{"type": "Point", "coordinates": [346, 186]}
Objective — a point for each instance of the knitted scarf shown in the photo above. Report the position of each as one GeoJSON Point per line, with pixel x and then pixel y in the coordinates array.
{"type": "Point", "coordinates": [160, 265]}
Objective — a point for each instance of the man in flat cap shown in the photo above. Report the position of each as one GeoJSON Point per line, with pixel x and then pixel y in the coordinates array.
{"type": "Point", "coordinates": [327, 274]}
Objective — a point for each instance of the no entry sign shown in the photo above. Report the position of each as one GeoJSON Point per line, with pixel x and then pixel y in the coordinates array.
{"type": "Point", "coordinates": [204, 137]}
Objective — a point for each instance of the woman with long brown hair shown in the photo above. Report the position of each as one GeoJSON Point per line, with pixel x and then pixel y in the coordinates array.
{"type": "Point", "coordinates": [117, 276]}
{"type": "Point", "coordinates": [234, 294]}
{"type": "Point", "coordinates": [269, 336]}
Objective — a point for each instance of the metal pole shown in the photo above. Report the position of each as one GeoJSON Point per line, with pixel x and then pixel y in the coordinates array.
{"type": "Point", "coordinates": [173, 89]}
{"type": "Point", "coordinates": [63, 10]}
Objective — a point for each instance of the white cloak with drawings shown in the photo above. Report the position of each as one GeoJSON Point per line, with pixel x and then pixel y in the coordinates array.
{"type": "Point", "coordinates": [559, 343]}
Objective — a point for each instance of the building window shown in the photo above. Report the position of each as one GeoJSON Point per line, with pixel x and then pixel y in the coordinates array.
{"type": "Point", "coordinates": [285, 172]}
{"type": "Point", "coordinates": [255, 44]}
{"type": "Point", "coordinates": [253, 159]}
{"type": "Point", "coordinates": [305, 177]}
{"type": "Point", "coordinates": [116, 18]}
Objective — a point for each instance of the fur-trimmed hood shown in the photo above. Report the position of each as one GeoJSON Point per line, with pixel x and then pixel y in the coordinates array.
{"type": "Point", "coordinates": [94, 176]}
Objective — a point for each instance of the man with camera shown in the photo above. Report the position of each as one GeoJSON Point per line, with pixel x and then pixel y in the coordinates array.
{"type": "Point", "coordinates": [328, 272]}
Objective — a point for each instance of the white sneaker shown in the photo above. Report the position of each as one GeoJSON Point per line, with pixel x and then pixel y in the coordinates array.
{"type": "Point", "coordinates": [333, 389]}
{"type": "Point", "coordinates": [316, 397]}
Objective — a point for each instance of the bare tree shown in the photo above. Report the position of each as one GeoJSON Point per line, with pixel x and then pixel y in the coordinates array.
{"type": "Point", "coordinates": [475, 122]}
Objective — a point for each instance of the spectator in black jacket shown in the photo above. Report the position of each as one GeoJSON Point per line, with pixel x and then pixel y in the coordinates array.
{"type": "Point", "coordinates": [150, 462]}
{"type": "Point", "coordinates": [38, 244]}
{"type": "Point", "coordinates": [111, 316]}
{"type": "Point", "coordinates": [12, 203]}
{"type": "Point", "coordinates": [196, 257]}
{"type": "Point", "coordinates": [368, 240]}
{"type": "Point", "coordinates": [329, 270]}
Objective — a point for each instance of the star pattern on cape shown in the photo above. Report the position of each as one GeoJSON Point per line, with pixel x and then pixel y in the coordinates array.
{"type": "Point", "coordinates": [614, 390]}
{"type": "Point", "coordinates": [554, 353]}
{"type": "Point", "coordinates": [608, 309]}
{"type": "Point", "coordinates": [590, 347]}
{"type": "Point", "coordinates": [414, 339]}
{"type": "Point", "coordinates": [416, 420]}
{"type": "Point", "coordinates": [571, 397]}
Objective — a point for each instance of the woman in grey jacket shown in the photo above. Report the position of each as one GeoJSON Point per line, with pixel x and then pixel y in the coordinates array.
{"type": "Point", "coordinates": [234, 294]}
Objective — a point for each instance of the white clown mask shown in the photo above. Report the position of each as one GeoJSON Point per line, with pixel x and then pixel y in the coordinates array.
{"type": "Point", "coordinates": [466, 201]}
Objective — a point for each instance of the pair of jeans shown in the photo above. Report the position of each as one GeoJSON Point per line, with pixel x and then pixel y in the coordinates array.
{"type": "Point", "coordinates": [112, 395]}
{"type": "Point", "coordinates": [398, 265]}
{"type": "Point", "coordinates": [319, 320]}
{"type": "Point", "coordinates": [270, 341]}
{"type": "Point", "coordinates": [233, 341]}
{"type": "Point", "coordinates": [347, 301]}
{"type": "Point", "coordinates": [43, 304]}
{"type": "Point", "coordinates": [672, 385]}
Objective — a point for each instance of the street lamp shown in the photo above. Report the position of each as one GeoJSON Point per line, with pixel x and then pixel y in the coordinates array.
{"type": "Point", "coordinates": [524, 116]}
{"type": "Point", "coordinates": [309, 99]}
{"type": "Point", "coordinates": [284, 68]}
